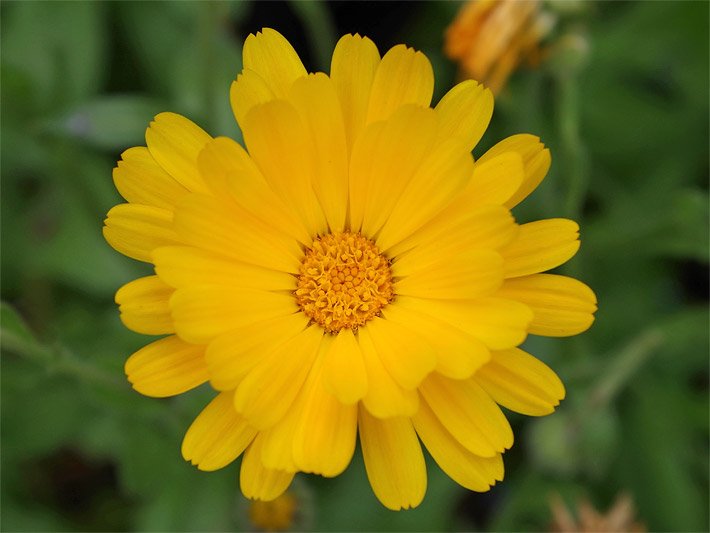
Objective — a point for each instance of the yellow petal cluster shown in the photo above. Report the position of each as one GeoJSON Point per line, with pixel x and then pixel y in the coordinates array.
{"type": "Point", "coordinates": [351, 274]}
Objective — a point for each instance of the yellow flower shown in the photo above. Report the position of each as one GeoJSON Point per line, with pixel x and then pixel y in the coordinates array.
{"type": "Point", "coordinates": [490, 38]}
{"type": "Point", "coordinates": [353, 272]}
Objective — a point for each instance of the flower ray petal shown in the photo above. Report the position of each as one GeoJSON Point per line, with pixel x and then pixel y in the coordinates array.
{"type": "Point", "coordinates": [175, 142]}
{"type": "Point", "coordinates": [469, 414]}
{"type": "Point", "coordinates": [141, 180]}
{"type": "Point", "coordinates": [384, 397]}
{"type": "Point", "coordinates": [467, 469]}
{"type": "Point", "coordinates": [203, 312]}
{"type": "Point", "coordinates": [520, 382]}
{"type": "Point", "coordinates": [136, 230]}
{"type": "Point", "coordinates": [393, 460]}
{"type": "Point", "coordinates": [232, 355]}
{"type": "Point", "coordinates": [344, 373]}
{"type": "Point", "coordinates": [404, 76]}
{"type": "Point", "coordinates": [258, 482]}
{"type": "Point", "coordinates": [465, 112]}
{"type": "Point", "coordinates": [562, 306]}
{"type": "Point", "coordinates": [273, 58]}
{"type": "Point", "coordinates": [167, 367]}
{"type": "Point", "coordinates": [540, 246]}
{"type": "Point", "coordinates": [324, 438]}
{"type": "Point", "coordinates": [217, 436]}
{"type": "Point", "coordinates": [352, 69]}
{"type": "Point", "coordinates": [458, 355]}
{"type": "Point", "coordinates": [536, 162]}
{"type": "Point", "coordinates": [144, 306]}
{"type": "Point", "coordinates": [266, 393]}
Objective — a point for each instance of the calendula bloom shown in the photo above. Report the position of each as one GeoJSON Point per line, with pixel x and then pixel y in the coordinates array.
{"type": "Point", "coordinates": [352, 272]}
{"type": "Point", "coordinates": [490, 38]}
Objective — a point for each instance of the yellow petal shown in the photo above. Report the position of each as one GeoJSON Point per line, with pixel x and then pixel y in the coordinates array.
{"type": "Point", "coordinates": [383, 162]}
{"type": "Point", "coordinates": [465, 112]}
{"type": "Point", "coordinates": [393, 460]}
{"type": "Point", "coordinates": [217, 436]}
{"type": "Point", "coordinates": [224, 228]}
{"type": "Point", "coordinates": [136, 230]}
{"type": "Point", "coordinates": [232, 355]}
{"type": "Point", "coordinates": [536, 161]}
{"type": "Point", "coordinates": [362, 166]}
{"type": "Point", "coordinates": [267, 392]}
{"type": "Point", "coordinates": [174, 142]}
{"type": "Point", "coordinates": [167, 367]}
{"type": "Point", "coordinates": [562, 306]}
{"type": "Point", "coordinates": [140, 180]}
{"type": "Point", "coordinates": [468, 274]}
{"type": "Point", "coordinates": [184, 266]}
{"type": "Point", "coordinates": [277, 441]}
{"type": "Point", "coordinates": [324, 440]}
{"type": "Point", "coordinates": [496, 179]}
{"type": "Point", "coordinates": [498, 323]}
{"type": "Point", "coordinates": [384, 397]}
{"type": "Point", "coordinates": [404, 76]}
{"type": "Point", "coordinates": [144, 306]}
{"type": "Point", "coordinates": [469, 414]}
{"type": "Point", "coordinates": [270, 55]}
{"type": "Point", "coordinates": [223, 160]}
{"type": "Point", "coordinates": [540, 246]}
{"type": "Point", "coordinates": [467, 469]}
{"type": "Point", "coordinates": [279, 143]}
{"type": "Point", "coordinates": [437, 181]}
{"type": "Point", "coordinates": [456, 228]}
{"type": "Point", "coordinates": [258, 482]}
{"type": "Point", "coordinates": [344, 373]}
{"type": "Point", "coordinates": [248, 90]}
{"type": "Point", "coordinates": [458, 354]}
{"type": "Point", "coordinates": [317, 102]}
{"type": "Point", "coordinates": [204, 312]}
{"type": "Point", "coordinates": [405, 355]}
{"type": "Point", "coordinates": [520, 382]}
{"type": "Point", "coordinates": [353, 67]}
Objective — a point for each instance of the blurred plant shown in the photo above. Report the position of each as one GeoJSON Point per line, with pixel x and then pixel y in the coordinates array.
{"type": "Point", "coordinates": [275, 515]}
{"type": "Point", "coordinates": [491, 38]}
{"type": "Point", "coordinates": [620, 518]}
{"type": "Point", "coordinates": [292, 511]}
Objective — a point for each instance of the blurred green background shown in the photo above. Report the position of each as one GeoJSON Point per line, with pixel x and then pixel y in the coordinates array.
{"type": "Point", "coordinates": [625, 113]}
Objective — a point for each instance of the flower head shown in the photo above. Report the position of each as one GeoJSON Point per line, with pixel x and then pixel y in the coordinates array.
{"type": "Point", "coordinates": [490, 38]}
{"type": "Point", "coordinates": [352, 272]}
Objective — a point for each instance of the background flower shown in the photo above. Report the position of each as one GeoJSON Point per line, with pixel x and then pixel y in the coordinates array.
{"type": "Point", "coordinates": [81, 451]}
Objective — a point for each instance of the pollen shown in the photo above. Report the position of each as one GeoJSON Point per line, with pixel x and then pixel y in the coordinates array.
{"type": "Point", "coordinates": [344, 281]}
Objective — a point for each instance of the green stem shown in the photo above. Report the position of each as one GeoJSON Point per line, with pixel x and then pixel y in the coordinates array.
{"type": "Point", "coordinates": [623, 367]}
{"type": "Point", "coordinates": [208, 25]}
{"type": "Point", "coordinates": [573, 154]}
{"type": "Point", "coordinates": [59, 360]}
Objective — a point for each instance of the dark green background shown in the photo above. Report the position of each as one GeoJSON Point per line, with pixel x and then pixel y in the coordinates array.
{"type": "Point", "coordinates": [627, 122]}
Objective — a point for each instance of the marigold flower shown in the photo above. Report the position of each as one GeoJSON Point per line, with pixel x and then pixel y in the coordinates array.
{"type": "Point", "coordinates": [490, 38]}
{"type": "Point", "coordinates": [353, 272]}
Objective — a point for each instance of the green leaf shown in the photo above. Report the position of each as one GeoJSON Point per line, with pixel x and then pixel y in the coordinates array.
{"type": "Point", "coordinates": [14, 333]}
{"type": "Point", "coordinates": [45, 40]}
{"type": "Point", "coordinates": [657, 458]}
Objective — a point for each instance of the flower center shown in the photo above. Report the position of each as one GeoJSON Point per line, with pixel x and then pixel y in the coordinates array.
{"type": "Point", "coordinates": [344, 281]}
